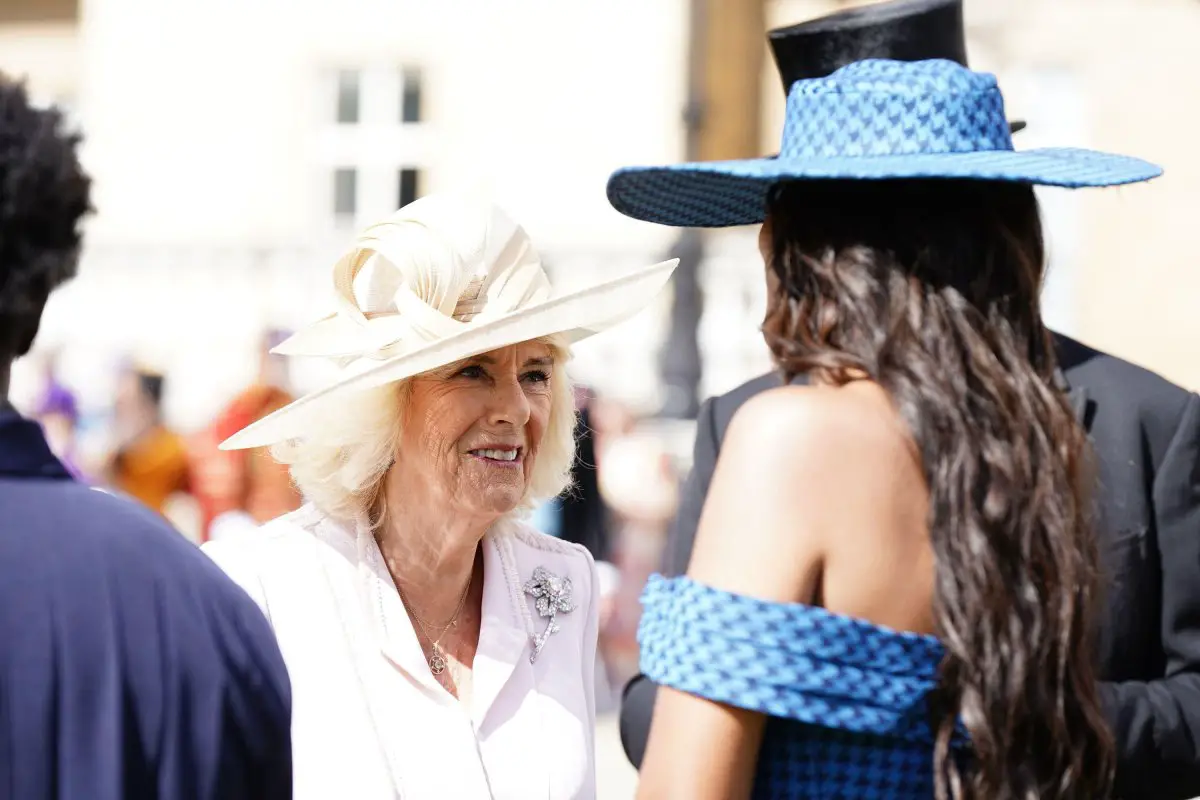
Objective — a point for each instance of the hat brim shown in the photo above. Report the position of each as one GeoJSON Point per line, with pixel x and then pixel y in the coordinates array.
{"type": "Point", "coordinates": [718, 194]}
{"type": "Point", "coordinates": [576, 315]}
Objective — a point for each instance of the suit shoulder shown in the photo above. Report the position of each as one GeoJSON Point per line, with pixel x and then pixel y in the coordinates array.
{"type": "Point", "coordinates": [1082, 361]}
{"type": "Point", "coordinates": [526, 536]}
{"type": "Point", "coordinates": [532, 549]}
{"type": "Point", "coordinates": [78, 525]}
{"type": "Point", "coordinates": [281, 533]}
{"type": "Point", "coordinates": [278, 545]}
{"type": "Point", "coordinates": [1116, 382]}
{"type": "Point", "coordinates": [107, 563]}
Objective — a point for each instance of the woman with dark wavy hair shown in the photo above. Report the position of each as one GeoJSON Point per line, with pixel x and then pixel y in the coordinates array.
{"type": "Point", "coordinates": [894, 580]}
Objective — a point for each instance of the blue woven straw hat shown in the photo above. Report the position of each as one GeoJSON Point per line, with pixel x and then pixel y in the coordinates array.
{"type": "Point", "coordinates": [871, 120]}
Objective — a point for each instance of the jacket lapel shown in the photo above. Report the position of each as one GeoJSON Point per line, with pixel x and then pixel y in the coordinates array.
{"type": "Point", "coordinates": [504, 633]}
{"type": "Point", "coordinates": [350, 586]}
{"type": "Point", "coordinates": [377, 624]}
{"type": "Point", "coordinates": [1077, 396]}
{"type": "Point", "coordinates": [393, 630]}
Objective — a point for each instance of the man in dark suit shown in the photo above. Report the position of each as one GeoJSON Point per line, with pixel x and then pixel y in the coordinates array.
{"type": "Point", "coordinates": [584, 512]}
{"type": "Point", "coordinates": [130, 666]}
{"type": "Point", "coordinates": [1146, 433]}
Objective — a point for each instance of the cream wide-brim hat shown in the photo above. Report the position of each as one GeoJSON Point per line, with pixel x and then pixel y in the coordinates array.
{"type": "Point", "coordinates": [441, 280]}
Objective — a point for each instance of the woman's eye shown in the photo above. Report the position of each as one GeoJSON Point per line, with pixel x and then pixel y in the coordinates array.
{"type": "Point", "coordinates": [537, 376]}
{"type": "Point", "coordinates": [472, 371]}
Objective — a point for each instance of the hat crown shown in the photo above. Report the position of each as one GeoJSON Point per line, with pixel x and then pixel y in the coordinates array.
{"type": "Point", "coordinates": [420, 275]}
{"type": "Point", "coordinates": [881, 107]}
{"type": "Point", "coordinates": [902, 30]}
{"type": "Point", "coordinates": [453, 253]}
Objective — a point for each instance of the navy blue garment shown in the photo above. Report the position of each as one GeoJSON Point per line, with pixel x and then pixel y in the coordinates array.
{"type": "Point", "coordinates": [846, 699]}
{"type": "Point", "coordinates": [130, 665]}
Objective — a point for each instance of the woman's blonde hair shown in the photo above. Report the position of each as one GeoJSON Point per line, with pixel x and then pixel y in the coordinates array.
{"type": "Point", "coordinates": [341, 464]}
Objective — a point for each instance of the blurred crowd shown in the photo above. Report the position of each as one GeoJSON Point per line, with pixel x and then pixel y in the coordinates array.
{"type": "Point", "coordinates": [130, 448]}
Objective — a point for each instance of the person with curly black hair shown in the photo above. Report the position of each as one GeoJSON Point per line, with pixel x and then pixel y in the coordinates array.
{"type": "Point", "coordinates": [130, 666]}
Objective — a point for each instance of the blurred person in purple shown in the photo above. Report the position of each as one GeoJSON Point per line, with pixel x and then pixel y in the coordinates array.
{"type": "Point", "coordinates": [130, 666]}
{"type": "Point", "coordinates": [57, 411]}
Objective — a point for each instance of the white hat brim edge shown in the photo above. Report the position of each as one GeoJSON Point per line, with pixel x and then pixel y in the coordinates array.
{"type": "Point", "coordinates": [579, 314]}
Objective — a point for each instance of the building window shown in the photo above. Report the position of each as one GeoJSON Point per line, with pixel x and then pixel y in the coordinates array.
{"type": "Point", "coordinates": [345, 192]}
{"type": "Point", "coordinates": [410, 186]}
{"type": "Point", "coordinates": [347, 96]}
{"type": "Point", "coordinates": [410, 95]}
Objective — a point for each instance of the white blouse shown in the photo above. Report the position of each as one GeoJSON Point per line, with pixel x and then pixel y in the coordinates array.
{"type": "Point", "coordinates": [369, 720]}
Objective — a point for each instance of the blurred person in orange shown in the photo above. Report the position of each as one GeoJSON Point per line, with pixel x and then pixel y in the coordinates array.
{"type": "Point", "coordinates": [149, 462]}
{"type": "Point", "coordinates": [241, 489]}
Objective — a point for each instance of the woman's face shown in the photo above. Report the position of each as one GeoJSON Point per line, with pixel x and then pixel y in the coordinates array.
{"type": "Point", "coordinates": [471, 432]}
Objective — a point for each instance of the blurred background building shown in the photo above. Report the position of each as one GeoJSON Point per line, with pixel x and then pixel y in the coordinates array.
{"type": "Point", "coordinates": [236, 146]}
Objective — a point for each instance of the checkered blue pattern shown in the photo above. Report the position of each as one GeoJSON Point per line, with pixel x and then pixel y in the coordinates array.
{"type": "Point", "coordinates": [846, 699]}
{"type": "Point", "coordinates": [871, 120]}
{"type": "Point", "coordinates": [867, 110]}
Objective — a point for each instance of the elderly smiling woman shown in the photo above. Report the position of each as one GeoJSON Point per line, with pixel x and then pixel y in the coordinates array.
{"type": "Point", "coordinates": [437, 646]}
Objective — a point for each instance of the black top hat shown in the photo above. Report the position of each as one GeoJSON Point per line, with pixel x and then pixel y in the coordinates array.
{"type": "Point", "coordinates": [901, 30]}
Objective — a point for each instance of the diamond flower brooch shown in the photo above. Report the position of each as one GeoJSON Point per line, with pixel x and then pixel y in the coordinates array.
{"type": "Point", "coordinates": [552, 596]}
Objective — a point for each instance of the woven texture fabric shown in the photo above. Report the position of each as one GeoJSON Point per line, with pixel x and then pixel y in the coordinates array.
{"type": "Point", "coordinates": [869, 109]}
{"type": "Point", "coordinates": [871, 120]}
{"type": "Point", "coordinates": [846, 699]}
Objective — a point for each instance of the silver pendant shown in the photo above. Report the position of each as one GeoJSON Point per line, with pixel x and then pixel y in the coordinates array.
{"type": "Point", "coordinates": [552, 596]}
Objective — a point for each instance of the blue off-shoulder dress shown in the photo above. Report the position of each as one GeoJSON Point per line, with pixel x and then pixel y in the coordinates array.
{"type": "Point", "coordinates": [846, 699]}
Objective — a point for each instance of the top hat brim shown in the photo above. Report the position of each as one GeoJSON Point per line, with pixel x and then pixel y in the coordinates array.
{"type": "Point", "coordinates": [576, 316]}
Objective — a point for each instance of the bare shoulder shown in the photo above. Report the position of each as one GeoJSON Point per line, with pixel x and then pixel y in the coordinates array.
{"type": "Point", "coordinates": [792, 426]}
{"type": "Point", "coordinates": [795, 465]}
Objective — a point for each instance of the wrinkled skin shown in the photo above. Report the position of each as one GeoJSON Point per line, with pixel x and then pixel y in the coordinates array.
{"type": "Point", "coordinates": [499, 400]}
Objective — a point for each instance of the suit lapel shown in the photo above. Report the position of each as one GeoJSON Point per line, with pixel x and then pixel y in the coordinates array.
{"type": "Point", "coordinates": [392, 628]}
{"type": "Point", "coordinates": [350, 589]}
{"type": "Point", "coordinates": [1077, 396]}
{"type": "Point", "coordinates": [504, 636]}
{"type": "Point", "coordinates": [1079, 401]}
{"type": "Point", "coordinates": [504, 679]}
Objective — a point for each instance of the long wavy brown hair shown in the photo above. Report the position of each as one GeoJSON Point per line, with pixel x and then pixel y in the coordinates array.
{"type": "Point", "coordinates": [931, 289]}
